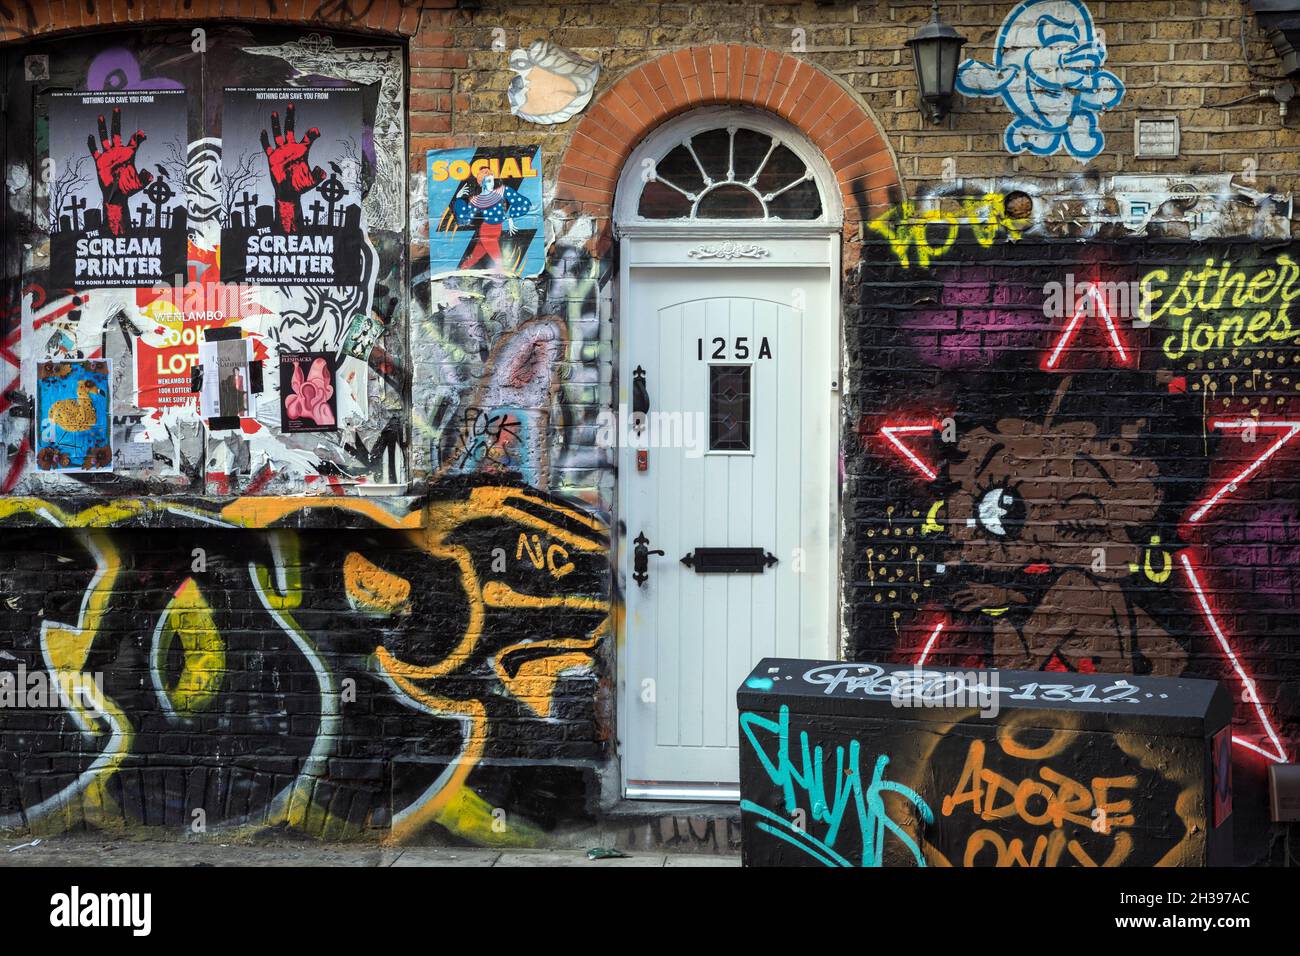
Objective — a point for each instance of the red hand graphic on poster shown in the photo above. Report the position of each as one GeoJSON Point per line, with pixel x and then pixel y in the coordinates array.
{"type": "Point", "coordinates": [290, 169]}
{"type": "Point", "coordinates": [119, 180]}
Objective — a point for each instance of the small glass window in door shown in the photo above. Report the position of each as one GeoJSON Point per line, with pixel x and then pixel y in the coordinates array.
{"type": "Point", "coordinates": [729, 407]}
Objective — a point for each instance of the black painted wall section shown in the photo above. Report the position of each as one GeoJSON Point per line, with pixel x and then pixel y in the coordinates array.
{"type": "Point", "coordinates": [435, 683]}
{"type": "Point", "coordinates": [1066, 509]}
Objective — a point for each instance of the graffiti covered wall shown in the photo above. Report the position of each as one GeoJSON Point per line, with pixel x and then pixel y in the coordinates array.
{"type": "Point", "coordinates": [316, 578]}
{"type": "Point", "coordinates": [1021, 485]}
{"type": "Point", "coordinates": [1078, 457]}
{"type": "Point", "coordinates": [353, 671]}
{"type": "Point", "coordinates": [81, 285]}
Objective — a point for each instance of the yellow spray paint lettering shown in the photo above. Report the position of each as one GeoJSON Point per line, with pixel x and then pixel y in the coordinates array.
{"type": "Point", "coordinates": [508, 168]}
{"type": "Point", "coordinates": [926, 235]}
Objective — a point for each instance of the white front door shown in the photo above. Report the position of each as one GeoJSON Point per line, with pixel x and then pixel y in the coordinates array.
{"type": "Point", "coordinates": [737, 362]}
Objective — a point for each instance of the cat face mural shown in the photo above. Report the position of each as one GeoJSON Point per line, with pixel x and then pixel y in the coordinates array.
{"type": "Point", "coordinates": [1047, 69]}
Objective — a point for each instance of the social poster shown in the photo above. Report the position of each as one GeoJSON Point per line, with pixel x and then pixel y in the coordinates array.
{"type": "Point", "coordinates": [226, 394]}
{"type": "Point", "coordinates": [117, 192]}
{"type": "Point", "coordinates": [485, 210]}
{"type": "Point", "coordinates": [291, 169]}
{"type": "Point", "coordinates": [308, 398]}
{"type": "Point", "coordinates": [74, 426]}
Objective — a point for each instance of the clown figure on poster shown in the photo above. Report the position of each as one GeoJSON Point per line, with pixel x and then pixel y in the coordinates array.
{"type": "Point", "coordinates": [490, 205]}
{"type": "Point", "coordinates": [485, 209]}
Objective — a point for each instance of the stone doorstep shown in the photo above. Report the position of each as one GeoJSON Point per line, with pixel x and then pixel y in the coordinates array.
{"type": "Point", "coordinates": [659, 827]}
{"type": "Point", "coordinates": [638, 827]}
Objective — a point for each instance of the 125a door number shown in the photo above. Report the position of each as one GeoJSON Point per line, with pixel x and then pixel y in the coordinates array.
{"type": "Point", "coordinates": [740, 350]}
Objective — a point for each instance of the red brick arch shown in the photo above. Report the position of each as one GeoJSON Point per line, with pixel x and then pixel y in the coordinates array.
{"type": "Point", "coordinates": [24, 19]}
{"type": "Point", "coordinates": [734, 75]}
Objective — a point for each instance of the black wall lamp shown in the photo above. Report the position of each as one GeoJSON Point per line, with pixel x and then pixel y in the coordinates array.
{"type": "Point", "coordinates": [936, 51]}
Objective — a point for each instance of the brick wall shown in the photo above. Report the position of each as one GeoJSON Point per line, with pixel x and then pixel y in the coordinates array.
{"type": "Point", "coordinates": [1173, 58]}
{"type": "Point", "coordinates": [952, 249]}
{"type": "Point", "coordinates": [1069, 519]}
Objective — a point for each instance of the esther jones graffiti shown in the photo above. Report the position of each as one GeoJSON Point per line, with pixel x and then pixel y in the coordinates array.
{"type": "Point", "coordinates": [1047, 70]}
{"type": "Point", "coordinates": [1220, 307]}
{"type": "Point", "coordinates": [1092, 484]}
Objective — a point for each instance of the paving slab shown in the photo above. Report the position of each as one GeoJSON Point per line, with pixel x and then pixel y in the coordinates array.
{"type": "Point", "coordinates": [574, 858]}
{"type": "Point", "coordinates": [701, 859]}
{"type": "Point", "coordinates": [96, 851]}
{"type": "Point", "coordinates": [445, 856]}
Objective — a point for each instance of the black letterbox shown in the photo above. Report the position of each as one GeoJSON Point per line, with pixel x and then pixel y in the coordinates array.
{"type": "Point", "coordinates": [853, 764]}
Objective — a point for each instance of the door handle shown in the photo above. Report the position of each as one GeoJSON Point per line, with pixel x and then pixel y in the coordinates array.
{"type": "Point", "coordinates": [640, 400]}
{"type": "Point", "coordinates": [641, 559]}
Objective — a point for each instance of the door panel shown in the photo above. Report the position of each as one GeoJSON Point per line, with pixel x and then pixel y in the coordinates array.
{"type": "Point", "coordinates": [690, 637]}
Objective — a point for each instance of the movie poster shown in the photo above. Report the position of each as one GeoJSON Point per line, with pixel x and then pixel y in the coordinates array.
{"type": "Point", "coordinates": [291, 169]}
{"type": "Point", "coordinates": [226, 394]}
{"type": "Point", "coordinates": [117, 190]}
{"type": "Point", "coordinates": [485, 210]}
{"type": "Point", "coordinates": [308, 402]}
{"type": "Point", "coordinates": [73, 424]}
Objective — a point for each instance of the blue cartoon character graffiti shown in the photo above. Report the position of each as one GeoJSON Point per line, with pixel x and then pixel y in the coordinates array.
{"type": "Point", "coordinates": [1047, 68]}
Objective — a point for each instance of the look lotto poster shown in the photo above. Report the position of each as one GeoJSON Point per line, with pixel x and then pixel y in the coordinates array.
{"type": "Point", "coordinates": [485, 210]}
{"type": "Point", "coordinates": [291, 168]}
{"type": "Point", "coordinates": [165, 359]}
{"type": "Point", "coordinates": [117, 196]}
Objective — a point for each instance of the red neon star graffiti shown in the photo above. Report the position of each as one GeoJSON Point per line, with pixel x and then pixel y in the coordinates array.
{"type": "Point", "coordinates": [1249, 693]}
{"type": "Point", "coordinates": [1284, 430]}
{"type": "Point", "coordinates": [891, 433]}
{"type": "Point", "coordinates": [1289, 430]}
{"type": "Point", "coordinates": [1103, 312]}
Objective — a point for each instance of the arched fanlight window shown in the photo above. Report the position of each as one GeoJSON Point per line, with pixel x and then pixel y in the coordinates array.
{"type": "Point", "coordinates": [730, 172]}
